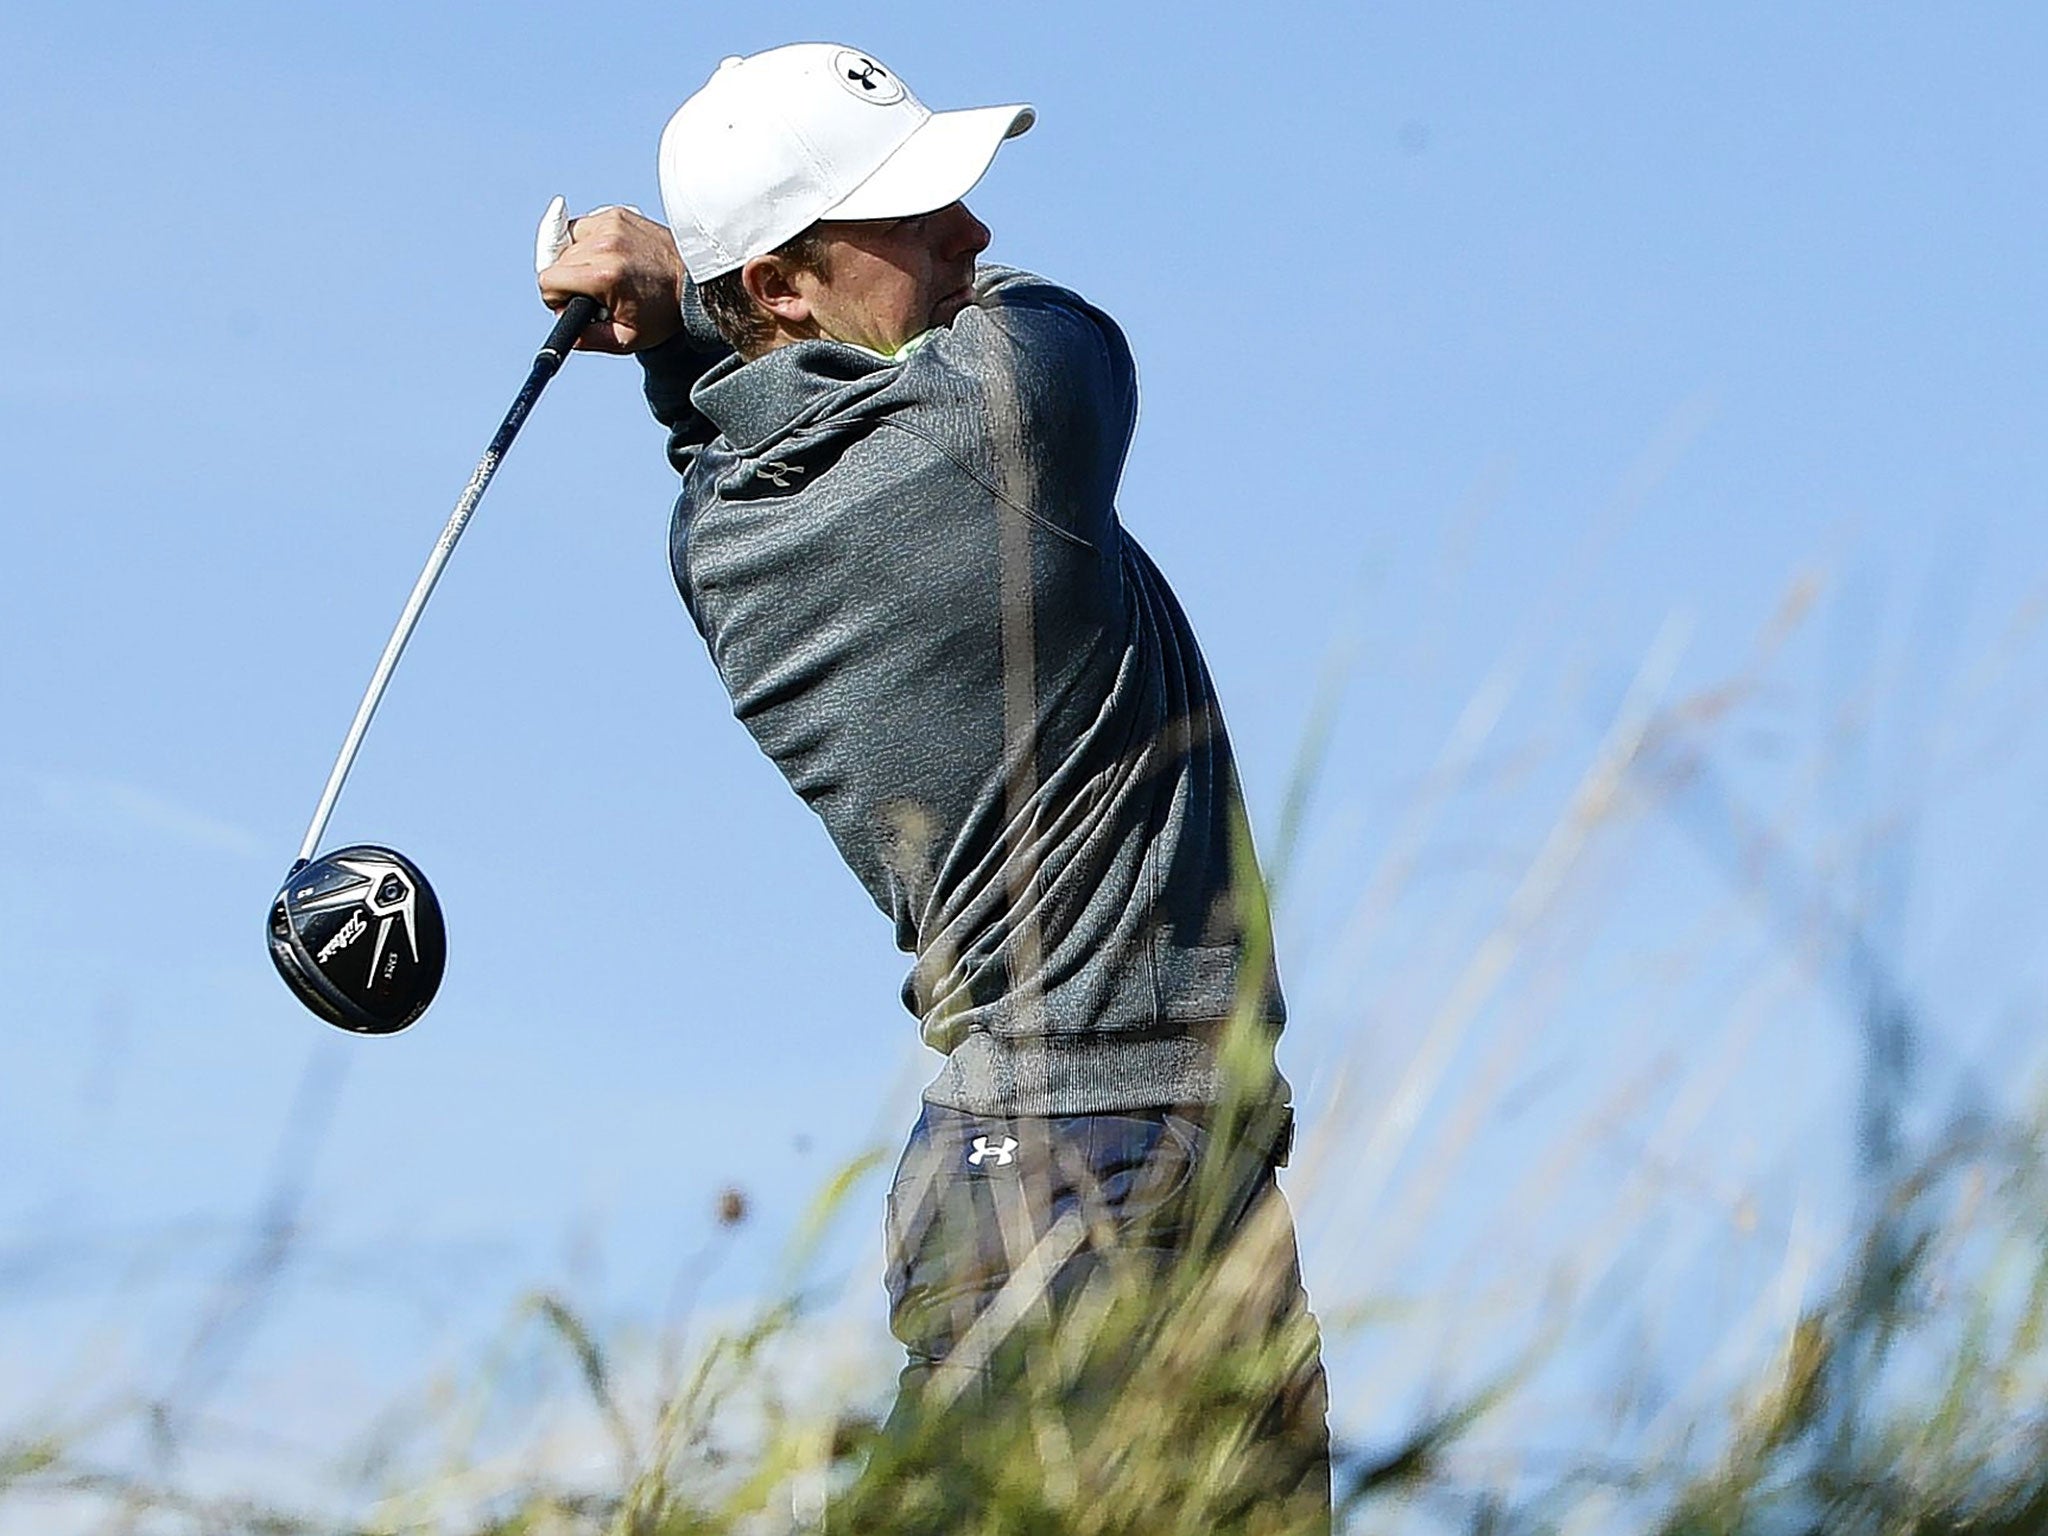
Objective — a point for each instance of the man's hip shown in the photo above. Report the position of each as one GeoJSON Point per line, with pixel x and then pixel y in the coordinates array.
{"type": "Point", "coordinates": [1162, 1232]}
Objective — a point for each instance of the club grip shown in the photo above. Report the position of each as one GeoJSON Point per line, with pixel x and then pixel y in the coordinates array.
{"type": "Point", "coordinates": [576, 315]}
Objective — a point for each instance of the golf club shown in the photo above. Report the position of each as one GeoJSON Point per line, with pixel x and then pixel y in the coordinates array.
{"type": "Point", "coordinates": [357, 933]}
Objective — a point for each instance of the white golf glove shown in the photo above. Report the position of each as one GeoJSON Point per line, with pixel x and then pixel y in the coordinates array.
{"type": "Point", "coordinates": [552, 238]}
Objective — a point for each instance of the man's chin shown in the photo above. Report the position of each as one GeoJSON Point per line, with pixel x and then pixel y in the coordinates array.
{"type": "Point", "coordinates": [948, 308]}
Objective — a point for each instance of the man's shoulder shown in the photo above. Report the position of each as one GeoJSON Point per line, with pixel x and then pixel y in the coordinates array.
{"type": "Point", "coordinates": [997, 286]}
{"type": "Point", "coordinates": [1018, 314]}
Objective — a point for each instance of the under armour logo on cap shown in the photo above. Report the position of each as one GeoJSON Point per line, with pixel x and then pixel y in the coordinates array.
{"type": "Point", "coordinates": [866, 79]}
{"type": "Point", "coordinates": [1003, 1153]}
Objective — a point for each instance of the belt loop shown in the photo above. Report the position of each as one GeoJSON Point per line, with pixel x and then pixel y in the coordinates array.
{"type": "Point", "coordinates": [1283, 1143]}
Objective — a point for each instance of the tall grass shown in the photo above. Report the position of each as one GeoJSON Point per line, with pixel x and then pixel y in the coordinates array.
{"type": "Point", "coordinates": [1911, 1398]}
{"type": "Point", "coordinates": [1907, 1395]}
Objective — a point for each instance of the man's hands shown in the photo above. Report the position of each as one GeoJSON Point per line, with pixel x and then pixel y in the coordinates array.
{"type": "Point", "coordinates": [625, 261]}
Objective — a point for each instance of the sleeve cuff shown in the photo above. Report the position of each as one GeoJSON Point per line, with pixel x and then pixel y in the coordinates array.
{"type": "Point", "coordinates": [673, 368]}
{"type": "Point", "coordinates": [697, 323]}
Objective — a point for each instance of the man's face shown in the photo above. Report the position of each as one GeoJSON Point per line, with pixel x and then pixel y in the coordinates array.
{"type": "Point", "coordinates": [888, 280]}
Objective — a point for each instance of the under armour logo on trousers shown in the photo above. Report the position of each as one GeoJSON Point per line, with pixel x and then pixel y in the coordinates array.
{"type": "Point", "coordinates": [1003, 1154]}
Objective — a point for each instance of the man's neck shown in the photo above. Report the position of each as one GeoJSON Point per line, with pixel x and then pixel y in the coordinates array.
{"type": "Point", "coordinates": [785, 338]}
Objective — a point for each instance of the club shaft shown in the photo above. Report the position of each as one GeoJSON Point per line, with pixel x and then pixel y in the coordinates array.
{"type": "Point", "coordinates": [576, 314]}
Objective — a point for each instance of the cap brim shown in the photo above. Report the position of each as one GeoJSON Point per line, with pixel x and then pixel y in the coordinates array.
{"type": "Point", "coordinates": [937, 165]}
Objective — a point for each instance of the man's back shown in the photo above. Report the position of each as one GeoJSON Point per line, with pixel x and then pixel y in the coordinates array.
{"type": "Point", "coordinates": [913, 581]}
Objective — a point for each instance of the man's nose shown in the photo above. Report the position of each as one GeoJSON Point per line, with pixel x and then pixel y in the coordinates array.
{"type": "Point", "coordinates": [964, 234]}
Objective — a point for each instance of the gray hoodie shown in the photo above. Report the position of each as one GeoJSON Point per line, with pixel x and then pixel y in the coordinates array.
{"type": "Point", "coordinates": [913, 581]}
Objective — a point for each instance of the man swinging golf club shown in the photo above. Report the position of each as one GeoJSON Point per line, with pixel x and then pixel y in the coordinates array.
{"type": "Point", "coordinates": [898, 534]}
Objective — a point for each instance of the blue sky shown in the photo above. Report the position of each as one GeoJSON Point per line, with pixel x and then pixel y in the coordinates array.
{"type": "Point", "coordinates": [1496, 361]}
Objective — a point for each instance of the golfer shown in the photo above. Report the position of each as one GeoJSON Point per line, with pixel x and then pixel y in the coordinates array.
{"type": "Point", "coordinates": [898, 535]}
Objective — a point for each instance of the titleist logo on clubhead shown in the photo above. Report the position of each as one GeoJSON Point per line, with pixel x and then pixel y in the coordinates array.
{"type": "Point", "coordinates": [390, 897]}
{"type": "Point", "coordinates": [349, 932]}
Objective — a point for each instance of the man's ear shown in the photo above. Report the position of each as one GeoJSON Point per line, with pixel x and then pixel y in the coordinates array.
{"type": "Point", "coordinates": [768, 281]}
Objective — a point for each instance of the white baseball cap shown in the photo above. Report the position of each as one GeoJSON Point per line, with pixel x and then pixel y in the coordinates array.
{"type": "Point", "coordinates": [777, 140]}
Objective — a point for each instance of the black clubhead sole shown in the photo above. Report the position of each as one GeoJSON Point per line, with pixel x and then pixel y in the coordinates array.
{"type": "Point", "coordinates": [357, 935]}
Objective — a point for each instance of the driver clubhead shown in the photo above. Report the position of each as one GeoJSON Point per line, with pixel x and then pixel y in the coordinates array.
{"type": "Point", "coordinates": [357, 934]}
